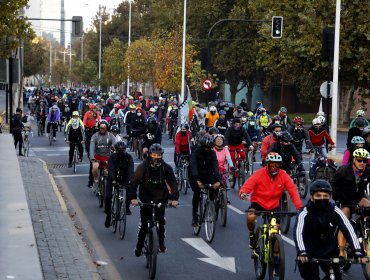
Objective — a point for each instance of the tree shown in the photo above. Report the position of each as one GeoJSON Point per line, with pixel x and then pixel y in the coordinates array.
{"type": "Point", "coordinates": [35, 57]}
{"type": "Point", "coordinates": [12, 26]}
{"type": "Point", "coordinates": [114, 69]}
{"type": "Point", "coordinates": [60, 73]}
{"type": "Point", "coordinates": [85, 72]}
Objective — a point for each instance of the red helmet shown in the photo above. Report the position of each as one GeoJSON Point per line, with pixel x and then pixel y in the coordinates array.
{"type": "Point", "coordinates": [117, 106]}
{"type": "Point", "coordinates": [298, 120]}
{"type": "Point", "coordinates": [92, 106]}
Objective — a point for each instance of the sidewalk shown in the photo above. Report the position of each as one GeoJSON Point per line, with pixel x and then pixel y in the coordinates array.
{"type": "Point", "coordinates": [38, 239]}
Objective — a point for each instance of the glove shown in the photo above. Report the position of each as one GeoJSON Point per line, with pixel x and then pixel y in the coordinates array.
{"type": "Point", "coordinates": [359, 253]}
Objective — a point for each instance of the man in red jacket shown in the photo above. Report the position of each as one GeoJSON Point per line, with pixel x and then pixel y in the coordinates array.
{"type": "Point", "coordinates": [265, 187]}
{"type": "Point", "coordinates": [182, 143]}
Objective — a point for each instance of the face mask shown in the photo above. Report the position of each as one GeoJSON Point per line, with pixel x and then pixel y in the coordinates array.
{"type": "Point", "coordinates": [322, 205]}
{"type": "Point", "coordinates": [226, 108]}
{"type": "Point", "coordinates": [139, 114]}
{"type": "Point", "coordinates": [237, 127]}
{"type": "Point", "coordinates": [239, 111]}
{"type": "Point", "coordinates": [213, 112]}
{"type": "Point", "coordinates": [156, 162]}
{"type": "Point", "coordinates": [277, 122]}
{"type": "Point", "coordinates": [274, 171]}
{"type": "Point", "coordinates": [264, 113]}
{"type": "Point", "coordinates": [244, 119]}
{"type": "Point", "coordinates": [183, 132]}
{"type": "Point", "coordinates": [251, 123]}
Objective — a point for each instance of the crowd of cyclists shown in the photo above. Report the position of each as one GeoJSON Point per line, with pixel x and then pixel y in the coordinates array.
{"type": "Point", "coordinates": [213, 140]}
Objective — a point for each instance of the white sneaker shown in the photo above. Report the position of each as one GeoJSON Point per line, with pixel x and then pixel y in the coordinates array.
{"type": "Point", "coordinates": [54, 139]}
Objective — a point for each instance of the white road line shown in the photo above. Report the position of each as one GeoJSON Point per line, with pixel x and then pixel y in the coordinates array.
{"type": "Point", "coordinates": [70, 175]}
{"type": "Point", "coordinates": [288, 240]}
{"type": "Point", "coordinates": [235, 210]}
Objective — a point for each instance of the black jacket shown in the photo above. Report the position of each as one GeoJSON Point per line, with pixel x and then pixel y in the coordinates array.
{"type": "Point", "coordinates": [222, 125]}
{"type": "Point", "coordinates": [204, 166]}
{"type": "Point", "coordinates": [152, 136]}
{"type": "Point", "coordinates": [235, 137]}
{"type": "Point", "coordinates": [287, 152]}
{"type": "Point", "coordinates": [121, 168]}
{"type": "Point", "coordinates": [153, 182]}
{"type": "Point", "coordinates": [345, 188]}
{"type": "Point", "coordinates": [299, 135]}
{"type": "Point", "coordinates": [315, 233]}
{"type": "Point", "coordinates": [17, 123]}
{"type": "Point", "coordinates": [352, 132]}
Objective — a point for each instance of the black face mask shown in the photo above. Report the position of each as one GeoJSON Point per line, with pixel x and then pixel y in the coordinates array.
{"type": "Point", "coordinates": [156, 162]}
{"type": "Point", "coordinates": [322, 205]}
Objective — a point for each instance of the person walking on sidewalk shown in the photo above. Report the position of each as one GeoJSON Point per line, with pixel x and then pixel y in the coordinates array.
{"type": "Point", "coordinates": [17, 129]}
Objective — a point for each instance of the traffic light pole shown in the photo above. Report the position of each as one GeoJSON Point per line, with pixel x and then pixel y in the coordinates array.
{"type": "Point", "coordinates": [217, 23]}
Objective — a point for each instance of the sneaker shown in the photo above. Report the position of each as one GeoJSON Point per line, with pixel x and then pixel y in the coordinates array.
{"type": "Point", "coordinates": [69, 165]}
{"type": "Point", "coordinates": [89, 185]}
{"type": "Point", "coordinates": [54, 139]}
{"type": "Point", "coordinates": [139, 249]}
{"type": "Point", "coordinates": [162, 246]}
{"type": "Point", "coordinates": [107, 221]}
{"type": "Point", "coordinates": [80, 160]}
{"type": "Point", "coordinates": [252, 241]}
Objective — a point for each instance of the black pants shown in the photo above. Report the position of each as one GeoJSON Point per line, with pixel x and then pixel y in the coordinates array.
{"type": "Point", "coordinates": [310, 271]}
{"type": "Point", "coordinates": [196, 197]}
{"type": "Point", "coordinates": [72, 148]}
{"type": "Point", "coordinates": [17, 134]}
{"type": "Point", "coordinates": [108, 198]}
{"type": "Point", "coordinates": [145, 216]}
{"type": "Point", "coordinates": [88, 134]}
{"type": "Point", "coordinates": [54, 127]}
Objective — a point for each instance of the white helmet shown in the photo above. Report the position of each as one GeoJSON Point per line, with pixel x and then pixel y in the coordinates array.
{"type": "Point", "coordinates": [212, 109]}
{"type": "Point", "coordinates": [75, 123]}
{"type": "Point", "coordinates": [321, 113]}
{"type": "Point", "coordinates": [152, 110]}
{"type": "Point", "coordinates": [316, 121]}
{"type": "Point", "coordinates": [321, 119]}
{"type": "Point", "coordinates": [360, 113]}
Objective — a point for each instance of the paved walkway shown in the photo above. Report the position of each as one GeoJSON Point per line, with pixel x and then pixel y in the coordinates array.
{"type": "Point", "coordinates": [61, 250]}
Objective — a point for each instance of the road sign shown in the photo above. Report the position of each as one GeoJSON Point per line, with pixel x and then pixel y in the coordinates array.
{"type": "Point", "coordinates": [324, 89]}
{"type": "Point", "coordinates": [207, 84]}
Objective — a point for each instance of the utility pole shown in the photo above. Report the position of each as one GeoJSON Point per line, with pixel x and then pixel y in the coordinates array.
{"type": "Point", "coordinates": [50, 65]}
{"type": "Point", "coordinates": [129, 44]}
{"type": "Point", "coordinates": [100, 46]}
{"type": "Point", "coordinates": [64, 56]}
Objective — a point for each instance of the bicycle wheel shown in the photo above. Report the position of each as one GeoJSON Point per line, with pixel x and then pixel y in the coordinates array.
{"type": "Point", "coordinates": [101, 191]}
{"type": "Point", "coordinates": [38, 128]}
{"type": "Point", "coordinates": [184, 180]}
{"type": "Point", "coordinates": [277, 258]}
{"type": "Point", "coordinates": [303, 186]}
{"type": "Point", "coordinates": [152, 251]}
{"type": "Point", "coordinates": [284, 206]}
{"type": "Point", "coordinates": [241, 175]}
{"type": "Point", "coordinates": [75, 160]}
{"type": "Point", "coordinates": [122, 219]}
{"type": "Point", "coordinates": [223, 207]}
{"type": "Point", "coordinates": [232, 179]}
{"type": "Point", "coordinates": [210, 221]}
{"type": "Point", "coordinates": [196, 229]}
{"type": "Point", "coordinates": [260, 266]}
{"type": "Point", "coordinates": [114, 212]}
{"type": "Point", "coordinates": [50, 138]}
{"type": "Point", "coordinates": [365, 244]}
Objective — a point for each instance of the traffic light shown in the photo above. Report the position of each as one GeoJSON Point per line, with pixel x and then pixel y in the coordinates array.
{"type": "Point", "coordinates": [77, 26]}
{"type": "Point", "coordinates": [277, 27]}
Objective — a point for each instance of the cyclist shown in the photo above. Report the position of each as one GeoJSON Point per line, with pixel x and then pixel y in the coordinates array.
{"type": "Point", "coordinates": [223, 157]}
{"type": "Point", "coordinates": [265, 187]}
{"type": "Point", "coordinates": [360, 114]}
{"type": "Point", "coordinates": [235, 139]}
{"type": "Point", "coordinates": [253, 130]}
{"type": "Point", "coordinates": [137, 125]}
{"type": "Point", "coordinates": [318, 136]}
{"type": "Point", "coordinates": [315, 233]}
{"type": "Point", "coordinates": [154, 177]}
{"type": "Point", "coordinates": [101, 144]}
{"type": "Point", "coordinates": [128, 117]}
{"type": "Point", "coordinates": [203, 170]}
{"type": "Point", "coordinates": [269, 140]}
{"type": "Point", "coordinates": [287, 151]}
{"type": "Point", "coordinates": [182, 144]}
{"type": "Point", "coordinates": [356, 143]}
{"type": "Point", "coordinates": [275, 120]}
{"type": "Point", "coordinates": [152, 134]}
{"type": "Point", "coordinates": [285, 120]}
{"type": "Point", "coordinates": [53, 119]}
{"type": "Point", "coordinates": [355, 131]}
{"type": "Point", "coordinates": [116, 115]}
{"type": "Point", "coordinates": [221, 123]}
{"type": "Point", "coordinates": [300, 135]}
{"type": "Point", "coordinates": [263, 120]}
{"type": "Point", "coordinates": [17, 129]}
{"type": "Point", "coordinates": [41, 114]}
{"type": "Point", "coordinates": [152, 114]}
{"type": "Point", "coordinates": [120, 171]}
{"type": "Point", "coordinates": [321, 118]}
{"type": "Point", "coordinates": [173, 115]}
{"type": "Point", "coordinates": [349, 185]}
{"type": "Point", "coordinates": [114, 129]}
{"type": "Point", "coordinates": [75, 136]}
{"type": "Point", "coordinates": [238, 112]}
{"type": "Point", "coordinates": [211, 117]}
{"type": "Point", "coordinates": [201, 114]}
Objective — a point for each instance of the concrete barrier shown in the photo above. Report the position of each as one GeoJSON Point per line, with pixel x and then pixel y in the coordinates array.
{"type": "Point", "coordinates": [19, 257]}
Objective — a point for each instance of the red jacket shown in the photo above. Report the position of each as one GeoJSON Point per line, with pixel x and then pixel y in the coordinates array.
{"type": "Point", "coordinates": [182, 143]}
{"type": "Point", "coordinates": [90, 119]}
{"type": "Point", "coordinates": [318, 139]}
{"type": "Point", "coordinates": [266, 144]}
{"type": "Point", "coordinates": [266, 192]}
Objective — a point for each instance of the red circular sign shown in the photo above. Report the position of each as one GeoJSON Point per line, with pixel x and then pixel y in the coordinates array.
{"type": "Point", "coordinates": [207, 84]}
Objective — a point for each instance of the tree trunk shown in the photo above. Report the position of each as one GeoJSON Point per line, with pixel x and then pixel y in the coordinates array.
{"type": "Point", "coordinates": [350, 102]}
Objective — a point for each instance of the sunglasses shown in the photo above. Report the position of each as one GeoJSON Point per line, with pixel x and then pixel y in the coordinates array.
{"type": "Point", "coordinates": [298, 124]}
{"type": "Point", "coordinates": [361, 160]}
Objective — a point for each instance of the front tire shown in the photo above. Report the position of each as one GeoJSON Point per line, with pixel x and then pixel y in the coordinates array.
{"type": "Point", "coordinates": [152, 252]}
{"type": "Point", "coordinates": [277, 258]}
{"type": "Point", "coordinates": [210, 221]}
{"type": "Point", "coordinates": [284, 206]}
{"type": "Point", "coordinates": [260, 266]}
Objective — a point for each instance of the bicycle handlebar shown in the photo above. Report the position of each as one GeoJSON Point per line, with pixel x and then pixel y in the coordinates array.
{"type": "Point", "coordinates": [335, 260]}
{"type": "Point", "coordinates": [271, 213]}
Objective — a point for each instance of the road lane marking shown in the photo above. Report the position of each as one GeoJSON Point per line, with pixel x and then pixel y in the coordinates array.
{"type": "Point", "coordinates": [227, 263]}
{"type": "Point", "coordinates": [235, 210]}
{"type": "Point", "coordinates": [70, 175]}
{"type": "Point", "coordinates": [288, 240]}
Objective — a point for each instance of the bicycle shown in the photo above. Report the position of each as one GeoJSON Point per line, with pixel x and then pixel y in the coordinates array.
{"type": "Point", "coordinates": [270, 246]}
{"type": "Point", "coordinates": [321, 167]}
{"type": "Point", "coordinates": [118, 213]}
{"type": "Point", "coordinates": [103, 173]}
{"type": "Point", "coordinates": [221, 204]}
{"type": "Point", "coordinates": [75, 157]}
{"type": "Point", "coordinates": [284, 206]}
{"type": "Point", "coordinates": [206, 214]}
{"type": "Point", "coordinates": [151, 243]}
{"type": "Point", "coordinates": [249, 162]}
{"type": "Point", "coordinates": [51, 133]}
{"type": "Point", "coordinates": [361, 226]}
{"type": "Point", "coordinates": [300, 182]}
{"type": "Point", "coordinates": [239, 174]}
{"type": "Point", "coordinates": [183, 173]}
{"type": "Point", "coordinates": [27, 134]}
{"type": "Point", "coordinates": [40, 127]}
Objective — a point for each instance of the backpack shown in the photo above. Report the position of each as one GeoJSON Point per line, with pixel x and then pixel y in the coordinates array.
{"type": "Point", "coordinates": [24, 119]}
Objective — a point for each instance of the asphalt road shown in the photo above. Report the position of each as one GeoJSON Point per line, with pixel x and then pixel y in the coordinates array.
{"type": "Point", "coordinates": [187, 256]}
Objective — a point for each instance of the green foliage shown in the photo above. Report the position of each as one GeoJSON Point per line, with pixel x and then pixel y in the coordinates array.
{"type": "Point", "coordinates": [114, 69]}
{"type": "Point", "coordinates": [35, 57]}
{"type": "Point", "coordinates": [85, 72]}
{"type": "Point", "coordinates": [60, 73]}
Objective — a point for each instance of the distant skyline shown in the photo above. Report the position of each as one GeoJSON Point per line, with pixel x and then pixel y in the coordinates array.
{"type": "Point", "coordinates": [51, 9]}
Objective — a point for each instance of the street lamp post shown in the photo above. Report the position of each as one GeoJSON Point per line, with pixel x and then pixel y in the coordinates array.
{"type": "Point", "coordinates": [129, 43]}
{"type": "Point", "coordinates": [183, 56]}
{"type": "Point", "coordinates": [100, 19]}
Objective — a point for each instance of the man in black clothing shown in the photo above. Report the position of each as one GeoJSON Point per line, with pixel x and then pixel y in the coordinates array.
{"type": "Point", "coordinates": [355, 131]}
{"type": "Point", "coordinates": [120, 171]}
{"type": "Point", "coordinates": [17, 129]}
{"type": "Point", "coordinates": [203, 170]}
{"type": "Point", "coordinates": [315, 233]}
{"type": "Point", "coordinates": [153, 177]}
{"type": "Point", "coordinates": [152, 134]}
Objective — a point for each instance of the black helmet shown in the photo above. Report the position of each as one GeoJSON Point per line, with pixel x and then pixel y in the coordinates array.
{"type": "Point", "coordinates": [114, 128]}
{"type": "Point", "coordinates": [320, 186]}
{"type": "Point", "coordinates": [207, 141]}
{"type": "Point", "coordinates": [103, 122]}
{"type": "Point", "coordinates": [120, 146]}
{"type": "Point", "coordinates": [156, 149]}
{"type": "Point", "coordinates": [275, 125]}
{"type": "Point", "coordinates": [151, 120]}
{"type": "Point", "coordinates": [360, 122]}
{"type": "Point", "coordinates": [213, 130]}
{"type": "Point", "coordinates": [286, 136]}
